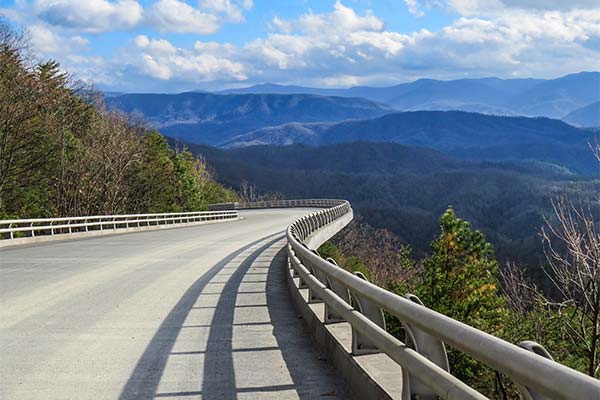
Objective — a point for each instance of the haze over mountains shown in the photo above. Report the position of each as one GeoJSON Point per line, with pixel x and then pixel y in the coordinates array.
{"type": "Point", "coordinates": [585, 116]}
{"type": "Point", "coordinates": [214, 119]}
{"type": "Point", "coordinates": [553, 98]}
{"type": "Point", "coordinates": [499, 124]}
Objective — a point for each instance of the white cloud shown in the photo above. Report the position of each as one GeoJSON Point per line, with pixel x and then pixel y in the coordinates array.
{"type": "Point", "coordinates": [50, 44]}
{"type": "Point", "coordinates": [230, 10]}
{"type": "Point", "coordinates": [342, 20]}
{"type": "Point", "coordinates": [90, 15]}
{"type": "Point", "coordinates": [281, 25]}
{"type": "Point", "coordinates": [330, 47]}
{"type": "Point", "coordinates": [98, 16]}
{"type": "Point", "coordinates": [414, 8]}
{"type": "Point", "coordinates": [159, 59]}
{"type": "Point", "coordinates": [177, 16]}
{"type": "Point", "coordinates": [69, 50]}
{"type": "Point", "coordinates": [341, 47]}
{"type": "Point", "coordinates": [494, 7]}
{"type": "Point", "coordinates": [337, 45]}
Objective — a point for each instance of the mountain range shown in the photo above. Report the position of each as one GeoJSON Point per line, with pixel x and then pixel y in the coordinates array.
{"type": "Point", "coordinates": [553, 98]}
{"type": "Point", "coordinates": [461, 134]}
{"type": "Point", "coordinates": [480, 119]}
{"type": "Point", "coordinates": [495, 149]}
{"type": "Point", "coordinates": [216, 118]}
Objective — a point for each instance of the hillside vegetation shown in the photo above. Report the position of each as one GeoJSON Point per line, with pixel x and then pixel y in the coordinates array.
{"type": "Point", "coordinates": [405, 189]}
{"type": "Point", "coordinates": [62, 153]}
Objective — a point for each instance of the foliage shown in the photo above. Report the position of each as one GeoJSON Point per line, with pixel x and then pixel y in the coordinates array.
{"type": "Point", "coordinates": [63, 153]}
{"type": "Point", "coordinates": [349, 263]}
{"type": "Point", "coordinates": [460, 280]}
{"type": "Point", "coordinates": [461, 275]}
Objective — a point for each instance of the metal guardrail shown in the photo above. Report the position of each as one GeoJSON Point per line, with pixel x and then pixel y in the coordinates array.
{"type": "Point", "coordinates": [9, 229]}
{"type": "Point", "coordinates": [289, 203]}
{"type": "Point", "coordinates": [275, 204]}
{"type": "Point", "coordinates": [350, 298]}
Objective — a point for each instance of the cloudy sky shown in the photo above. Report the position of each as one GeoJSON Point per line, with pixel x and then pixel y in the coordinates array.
{"type": "Point", "coordinates": [176, 45]}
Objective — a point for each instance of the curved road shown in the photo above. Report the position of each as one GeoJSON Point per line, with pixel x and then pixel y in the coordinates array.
{"type": "Point", "coordinates": [196, 312]}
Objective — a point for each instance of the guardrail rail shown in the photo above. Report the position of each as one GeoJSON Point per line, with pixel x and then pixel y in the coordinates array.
{"type": "Point", "coordinates": [426, 374]}
{"type": "Point", "coordinates": [247, 205]}
{"type": "Point", "coordinates": [21, 228]}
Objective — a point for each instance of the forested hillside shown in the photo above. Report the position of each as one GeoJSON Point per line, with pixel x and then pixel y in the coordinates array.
{"type": "Point", "coordinates": [62, 153]}
{"type": "Point", "coordinates": [405, 189]}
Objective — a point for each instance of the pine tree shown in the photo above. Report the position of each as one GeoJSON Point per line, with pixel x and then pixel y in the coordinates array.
{"type": "Point", "coordinates": [461, 281]}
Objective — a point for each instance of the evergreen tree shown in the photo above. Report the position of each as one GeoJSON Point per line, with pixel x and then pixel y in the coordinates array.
{"type": "Point", "coordinates": [460, 280]}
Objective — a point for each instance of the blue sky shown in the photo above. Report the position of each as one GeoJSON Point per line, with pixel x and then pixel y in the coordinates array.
{"type": "Point", "coordinates": [177, 45]}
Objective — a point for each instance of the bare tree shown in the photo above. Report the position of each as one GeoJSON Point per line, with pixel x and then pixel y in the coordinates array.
{"type": "Point", "coordinates": [109, 152]}
{"type": "Point", "coordinates": [521, 294]}
{"type": "Point", "coordinates": [571, 239]}
{"type": "Point", "coordinates": [248, 192]}
{"type": "Point", "coordinates": [572, 247]}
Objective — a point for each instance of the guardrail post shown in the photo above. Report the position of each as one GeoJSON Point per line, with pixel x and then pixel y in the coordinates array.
{"type": "Point", "coordinates": [429, 347]}
{"type": "Point", "coordinates": [534, 347]}
{"type": "Point", "coordinates": [360, 343]}
{"type": "Point", "coordinates": [32, 230]}
{"type": "Point", "coordinates": [331, 316]}
{"type": "Point", "coordinates": [312, 296]}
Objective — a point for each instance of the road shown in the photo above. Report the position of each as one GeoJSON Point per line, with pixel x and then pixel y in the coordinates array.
{"type": "Point", "coordinates": [196, 312]}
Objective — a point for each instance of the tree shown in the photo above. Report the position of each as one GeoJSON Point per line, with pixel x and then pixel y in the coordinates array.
{"type": "Point", "coordinates": [21, 132]}
{"type": "Point", "coordinates": [248, 192]}
{"type": "Point", "coordinates": [572, 244]}
{"type": "Point", "coordinates": [460, 280]}
{"type": "Point", "coordinates": [62, 153]}
{"type": "Point", "coordinates": [461, 275]}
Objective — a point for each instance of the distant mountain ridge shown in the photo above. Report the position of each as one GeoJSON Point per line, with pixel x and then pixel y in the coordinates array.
{"type": "Point", "coordinates": [488, 125]}
{"type": "Point", "coordinates": [588, 116]}
{"type": "Point", "coordinates": [530, 97]}
{"type": "Point", "coordinates": [462, 134]}
{"type": "Point", "coordinates": [214, 118]}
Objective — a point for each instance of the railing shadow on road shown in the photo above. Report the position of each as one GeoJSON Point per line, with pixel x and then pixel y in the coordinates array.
{"type": "Point", "coordinates": [305, 363]}
{"type": "Point", "coordinates": [219, 380]}
{"type": "Point", "coordinates": [255, 345]}
{"type": "Point", "coordinates": [145, 378]}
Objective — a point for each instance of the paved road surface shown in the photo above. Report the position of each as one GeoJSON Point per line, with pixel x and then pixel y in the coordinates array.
{"type": "Point", "coordinates": [189, 313]}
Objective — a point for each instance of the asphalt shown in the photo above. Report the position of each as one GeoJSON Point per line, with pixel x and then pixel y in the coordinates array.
{"type": "Point", "coordinates": [190, 313]}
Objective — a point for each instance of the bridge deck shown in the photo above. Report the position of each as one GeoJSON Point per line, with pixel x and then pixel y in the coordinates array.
{"type": "Point", "coordinates": [198, 312]}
